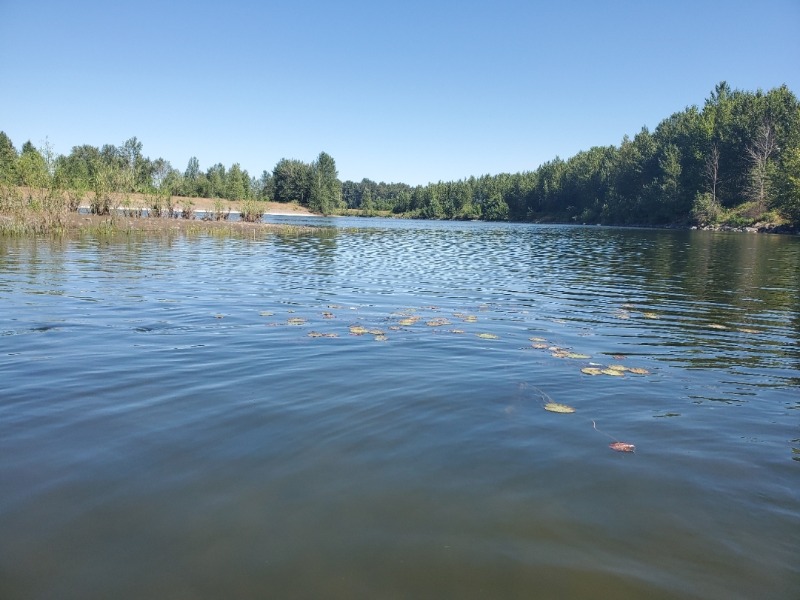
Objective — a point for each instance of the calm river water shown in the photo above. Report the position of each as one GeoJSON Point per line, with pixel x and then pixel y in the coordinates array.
{"type": "Point", "coordinates": [359, 412]}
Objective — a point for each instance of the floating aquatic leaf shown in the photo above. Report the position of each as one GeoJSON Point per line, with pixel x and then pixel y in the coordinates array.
{"type": "Point", "coordinates": [639, 371]}
{"type": "Point", "coordinates": [266, 313]}
{"type": "Point", "coordinates": [381, 338]}
{"type": "Point", "coordinates": [539, 346]}
{"type": "Point", "coordinates": [296, 321]}
{"type": "Point", "coordinates": [622, 368]}
{"type": "Point", "coordinates": [537, 339]}
{"type": "Point", "coordinates": [623, 314]}
{"type": "Point", "coordinates": [334, 306]}
{"type": "Point", "coordinates": [470, 319]}
{"type": "Point", "coordinates": [457, 331]}
{"type": "Point", "coordinates": [618, 356]}
{"type": "Point", "coordinates": [622, 447]}
{"type": "Point", "coordinates": [437, 322]}
{"type": "Point", "coordinates": [328, 315]}
{"type": "Point", "coordinates": [716, 326]}
{"type": "Point", "coordinates": [577, 355]}
{"type": "Point", "coordinates": [592, 371]}
{"type": "Point", "coordinates": [650, 315]}
{"type": "Point", "coordinates": [219, 316]}
{"type": "Point", "coordinates": [315, 334]}
{"type": "Point", "coordinates": [376, 332]}
{"type": "Point", "coordinates": [612, 372]}
{"type": "Point", "coordinates": [487, 336]}
{"type": "Point", "coordinates": [560, 354]}
{"type": "Point", "coordinates": [459, 315]}
{"type": "Point", "coordinates": [408, 321]}
{"type": "Point", "coordinates": [558, 408]}
{"type": "Point", "coordinates": [358, 330]}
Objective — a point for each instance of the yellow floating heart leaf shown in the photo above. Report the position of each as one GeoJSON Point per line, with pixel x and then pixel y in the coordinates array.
{"type": "Point", "coordinates": [639, 371]}
{"type": "Point", "coordinates": [612, 372]}
{"type": "Point", "coordinates": [716, 326]}
{"type": "Point", "coordinates": [748, 330]}
{"type": "Point", "coordinates": [487, 336]}
{"type": "Point", "coordinates": [328, 315]}
{"type": "Point", "coordinates": [577, 355]}
{"type": "Point", "coordinates": [558, 408]}
{"type": "Point", "coordinates": [376, 332]}
{"type": "Point", "coordinates": [266, 313]}
{"type": "Point", "coordinates": [539, 346]}
{"type": "Point", "coordinates": [296, 321]}
{"type": "Point", "coordinates": [408, 321]}
{"type": "Point", "coordinates": [650, 315]}
{"type": "Point", "coordinates": [592, 371]}
{"type": "Point", "coordinates": [381, 338]}
{"type": "Point", "coordinates": [358, 330]}
{"type": "Point", "coordinates": [537, 339]}
{"type": "Point", "coordinates": [437, 322]}
{"type": "Point", "coordinates": [470, 319]}
{"type": "Point", "coordinates": [621, 368]}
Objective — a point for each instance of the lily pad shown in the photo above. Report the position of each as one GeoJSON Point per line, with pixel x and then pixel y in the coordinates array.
{"type": "Point", "coordinates": [612, 372]}
{"type": "Point", "coordinates": [487, 336]}
{"type": "Point", "coordinates": [539, 346]}
{"type": "Point", "coordinates": [558, 408]}
{"type": "Point", "coordinates": [622, 447]}
{"type": "Point", "coordinates": [266, 313]}
{"type": "Point", "coordinates": [592, 371]}
{"type": "Point", "coordinates": [381, 338]}
{"type": "Point", "coordinates": [470, 319]}
{"type": "Point", "coordinates": [437, 322]}
{"type": "Point", "coordinates": [296, 321]}
{"type": "Point", "coordinates": [577, 355]}
{"type": "Point", "coordinates": [408, 321]}
{"type": "Point", "coordinates": [328, 315]}
{"type": "Point", "coordinates": [358, 330]}
{"type": "Point", "coordinates": [639, 371]}
{"type": "Point", "coordinates": [317, 334]}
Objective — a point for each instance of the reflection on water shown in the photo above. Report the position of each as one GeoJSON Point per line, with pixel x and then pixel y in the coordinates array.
{"type": "Point", "coordinates": [170, 428]}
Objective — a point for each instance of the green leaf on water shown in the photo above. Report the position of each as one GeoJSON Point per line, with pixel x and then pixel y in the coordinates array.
{"type": "Point", "coordinates": [558, 408]}
{"type": "Point", "coordinates": [592, 371]}
{"type": "Point", "coordinates": [487, 336]}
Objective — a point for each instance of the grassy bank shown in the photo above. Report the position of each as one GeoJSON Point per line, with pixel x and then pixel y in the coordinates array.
{"type": "Point", "coordinates": [26, 211]}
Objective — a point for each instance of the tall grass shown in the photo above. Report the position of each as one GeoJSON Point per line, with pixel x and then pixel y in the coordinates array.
{"type": "Point", "coordinates": [25, 210]}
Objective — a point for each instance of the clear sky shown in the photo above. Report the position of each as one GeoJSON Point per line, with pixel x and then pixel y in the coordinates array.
{"type": "Point", "coordinates": [411, 91]}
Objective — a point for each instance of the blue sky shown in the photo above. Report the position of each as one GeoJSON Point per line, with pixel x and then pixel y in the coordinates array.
{"type": "Point", "coordinates": [407, 91]}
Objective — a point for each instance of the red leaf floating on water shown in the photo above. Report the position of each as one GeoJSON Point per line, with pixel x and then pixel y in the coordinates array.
{"type": "Point", "coordinates": [622, 447]}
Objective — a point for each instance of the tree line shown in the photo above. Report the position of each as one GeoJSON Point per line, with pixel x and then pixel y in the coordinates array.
{"type": "Point", "coordinates": [737, 157]}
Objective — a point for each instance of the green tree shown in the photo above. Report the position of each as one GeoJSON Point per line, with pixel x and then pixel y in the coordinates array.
{"type": "Point", "coordinates": [291, 181]}
{"type": "Point", "coordinates": [325, 194]}
{"type": "Point", "coordinates": [237, 183]}
{"type": "Point", "coordinates": [8, 159]}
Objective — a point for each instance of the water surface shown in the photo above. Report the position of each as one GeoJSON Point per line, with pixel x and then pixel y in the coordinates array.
{"type": "Point", "coordinates": [169, 427]}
